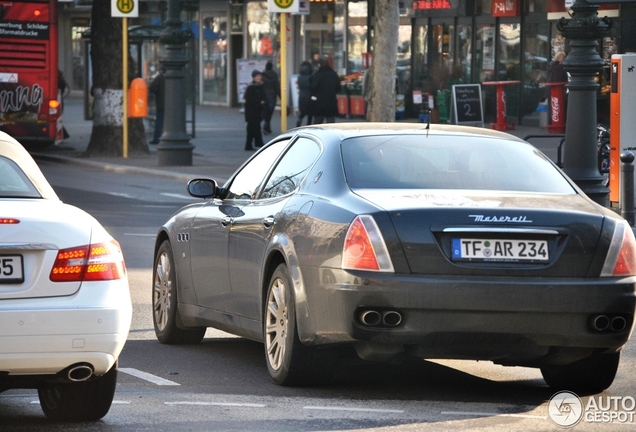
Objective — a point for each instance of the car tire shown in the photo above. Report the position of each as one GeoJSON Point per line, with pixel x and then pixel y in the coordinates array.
{"type": "Point", "coordinates": [165, 313]}
{"type": "Point", "coordinates": [289, 362]}
{"type": "Point", "coordinates": [591, 374]}
{"type": "Point", "coordinates": [79, 401]}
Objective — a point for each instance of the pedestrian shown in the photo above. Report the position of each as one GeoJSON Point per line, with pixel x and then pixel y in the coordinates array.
{"type": "Point", "coordinates": [315, 61]}
{"type": "Point", "coordinates": [556, 72]}
{"type": "Point", "coordinates": [303, 93]}
{"type": "Point", "coordinates": [255, 102]}
{"type": "Point", "coordinates": [158, 88]}
{"type": "Point", "coordinates": [64, 89]}
{"type": "Point", "coordinates": [271, 83]}
{"type": "Point", "coordinates": [324, 86]}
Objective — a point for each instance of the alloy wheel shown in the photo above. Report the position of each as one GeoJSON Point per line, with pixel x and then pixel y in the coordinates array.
{"type": "Point", "coordinates": [277, 324]}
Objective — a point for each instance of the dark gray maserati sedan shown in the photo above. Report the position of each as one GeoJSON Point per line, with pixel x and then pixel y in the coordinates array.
{"type": "Point", "coordinates": [394, 240]}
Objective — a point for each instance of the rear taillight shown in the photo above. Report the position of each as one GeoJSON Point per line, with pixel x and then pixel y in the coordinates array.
{"type": "Point", "coordinates": [364, 247]}
{"type": "Point", "coordinates": [54, 107]}
{"type": "Point", "coordinates": [101, 261]}
{"type": "Point", "coordinates": [621, 257]}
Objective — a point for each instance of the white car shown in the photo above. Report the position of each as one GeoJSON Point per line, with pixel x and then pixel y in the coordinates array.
{"type": "Point", "coordinates": [65, 308]}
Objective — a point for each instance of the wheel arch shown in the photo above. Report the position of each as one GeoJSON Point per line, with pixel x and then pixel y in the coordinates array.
{"type": "Point", "coordinates": [284, 253]}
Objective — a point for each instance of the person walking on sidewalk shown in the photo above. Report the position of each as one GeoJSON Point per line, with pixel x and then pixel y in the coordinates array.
{"type": "Point", "coordinates": [158, 88]}
{"type": "Point", "coordinates": [303, 93]}
{"type": "Point", "coordinates": [271, 83]}
{"type": "Point", "coordinates": [255, 102]}
{"type": "Point", "coordinates": [324, 86]}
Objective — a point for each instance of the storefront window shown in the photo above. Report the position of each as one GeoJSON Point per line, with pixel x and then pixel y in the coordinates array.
{"type": "Point", "coordinates": [443, 44]}
{"type": "Point", "coordinates": [509, 64]}
{"type": "Point", "coordinates": [420, 57]}
{"type": "Point", "coordinates": [357, 35]}
{"type": "Point", "coordinates": [262, 29]}
{"type": "Point", "coordinates": [404, 60]}
{"type": "Point", "coordinates": [464, 50]}
{"type": "Point", "coordinates": [485, 53]}
{"type": "Point", "coordinates": [77, 80]}
{"type": "Point", "coordinates": [509, 51]}
{"type": "Point", "coordinates": [535, 64]}
{"type": "Point", "coordinates": [214, 58]}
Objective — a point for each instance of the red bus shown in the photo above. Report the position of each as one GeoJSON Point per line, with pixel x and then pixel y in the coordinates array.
{"type": "Point", "coordinates": [30, 104]}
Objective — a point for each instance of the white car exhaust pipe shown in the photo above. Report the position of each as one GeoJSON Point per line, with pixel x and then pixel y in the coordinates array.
{"type": "Point", "coordinates": [80, 372]}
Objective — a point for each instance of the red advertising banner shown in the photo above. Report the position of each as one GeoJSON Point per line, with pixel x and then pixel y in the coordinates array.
{"type": "Point", "coordinates": [505, 8]}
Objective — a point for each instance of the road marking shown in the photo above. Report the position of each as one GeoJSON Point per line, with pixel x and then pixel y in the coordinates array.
{"type": "Point", "coordinates": [148, 377]}
{"type": "Point", "coordinates": [140, 235]}
{"type": "Point", "coordinates": [489, 414]}
{"type": "Point", "coordinates": [120, 402]}
{"type": "Point", "coordinates": [225, 404]}
{"type": "Point", "coordinates": [354, 409]}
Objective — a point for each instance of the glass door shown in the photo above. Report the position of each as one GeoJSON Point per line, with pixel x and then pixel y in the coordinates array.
{"type": "Point", "coordinates": [319, 40]}
{"type": "Point", "coordinates": [214, 58]}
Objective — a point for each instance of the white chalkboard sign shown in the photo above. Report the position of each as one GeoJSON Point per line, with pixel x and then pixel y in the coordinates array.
{"type": "Point", "coordinates": [244, 70]}
{"type": "Point", "coordinates": [466, 105]}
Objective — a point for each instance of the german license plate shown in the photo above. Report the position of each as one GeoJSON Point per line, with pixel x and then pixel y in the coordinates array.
{"type": "Point", "coordinates": [11, 269]}
{"type": "Point", "coordinates": [499, 250]}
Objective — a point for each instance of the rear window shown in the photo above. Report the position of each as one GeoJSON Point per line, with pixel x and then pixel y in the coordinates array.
{"type": "Point", "coordinates": [449, 162]}
{"type": "Point", "coordinates": [13, 182]}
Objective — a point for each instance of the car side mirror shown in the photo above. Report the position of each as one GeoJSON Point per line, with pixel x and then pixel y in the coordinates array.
{"type": "Point", "coordinates": [203, 188]}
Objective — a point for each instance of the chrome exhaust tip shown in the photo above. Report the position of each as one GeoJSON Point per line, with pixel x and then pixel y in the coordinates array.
{"type": "Point", "coordinates": [370, 317]}
{"type": "Point", "coordinates": [80, 373]}
{"type": "Point", "coordinates": [618, 323]}
{"type": "Point", "coordinates": [391, 318]}
{"type": "Point", "coordinates": [600, 322]}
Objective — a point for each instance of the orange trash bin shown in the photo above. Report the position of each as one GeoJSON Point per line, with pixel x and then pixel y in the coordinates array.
{"type": "Point", "coordinates": [138, 99]}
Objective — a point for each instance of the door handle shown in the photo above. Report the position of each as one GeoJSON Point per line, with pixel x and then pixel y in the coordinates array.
{"type": "Point", "coordinates": [227, 220]}
{"type": "Point", "coordinates": [269, 221]}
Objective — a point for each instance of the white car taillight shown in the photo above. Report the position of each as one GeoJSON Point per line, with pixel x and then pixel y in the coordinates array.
{"type": "Point", "coordinates": [621, 257]}
{"type": "Point", "coordinates": [102, 261]}
{"type": "Point", "coordinates": [364, 247]}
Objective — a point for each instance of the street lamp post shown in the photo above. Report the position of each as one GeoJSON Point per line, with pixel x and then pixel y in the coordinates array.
{"type": "Point", "coordinates": [174, 145]}
{"type": "Point", "coordinates": [583, 62]}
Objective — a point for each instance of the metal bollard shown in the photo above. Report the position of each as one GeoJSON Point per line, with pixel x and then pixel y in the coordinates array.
{"type": "Point", "coordinates": [627, 187]}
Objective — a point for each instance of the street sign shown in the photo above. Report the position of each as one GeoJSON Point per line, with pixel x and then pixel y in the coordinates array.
{"type": "Point", "coordinates": [124, 8]}
{"type": "Point", "coordinates": [295, 7]}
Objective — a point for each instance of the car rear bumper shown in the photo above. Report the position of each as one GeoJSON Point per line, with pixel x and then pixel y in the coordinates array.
{"type": "Point", "coordinates": [516, 320]}
{"type": "Point", "coordinates": [46, 335]}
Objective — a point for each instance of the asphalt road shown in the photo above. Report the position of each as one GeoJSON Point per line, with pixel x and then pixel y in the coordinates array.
{"type": "Point", "coordinates": [222, 384]}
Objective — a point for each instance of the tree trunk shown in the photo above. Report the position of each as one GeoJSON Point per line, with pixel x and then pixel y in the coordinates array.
{"type": "Point", "coordinates": [107, 90]}
{"type": "Point", "coordinates": [381, 91]}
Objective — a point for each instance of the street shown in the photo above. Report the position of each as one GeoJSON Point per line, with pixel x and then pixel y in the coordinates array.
{"type": "Point", "coordinates": [223, 385]}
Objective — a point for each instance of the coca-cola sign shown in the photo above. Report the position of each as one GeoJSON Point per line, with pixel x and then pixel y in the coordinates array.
{"type": "Point", "coordinates": [556, 109]}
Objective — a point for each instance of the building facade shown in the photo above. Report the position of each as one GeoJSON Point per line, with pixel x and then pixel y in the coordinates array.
{"type": "Point", "coordinates": [441, 42]}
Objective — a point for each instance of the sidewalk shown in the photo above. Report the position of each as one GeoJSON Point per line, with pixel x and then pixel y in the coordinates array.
{"type": "Point", "coordinates": [218, 143]}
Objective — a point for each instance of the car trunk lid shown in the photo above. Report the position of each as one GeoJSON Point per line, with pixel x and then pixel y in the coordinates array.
{"type": "Point", "coordinates": [485, 233]}
{"type": "Point", "coordinates": [29, 246]}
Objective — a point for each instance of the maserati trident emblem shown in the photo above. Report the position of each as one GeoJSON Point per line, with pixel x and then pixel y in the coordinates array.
{"type": "Point", "coordinates": [512, 219]}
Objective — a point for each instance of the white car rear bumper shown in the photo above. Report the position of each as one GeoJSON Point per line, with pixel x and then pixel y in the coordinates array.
{"type": "Point", "coordinates": [46, 335]}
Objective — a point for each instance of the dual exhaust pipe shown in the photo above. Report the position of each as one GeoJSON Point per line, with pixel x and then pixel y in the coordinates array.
{"type": "Point", "coordinates": [375, 318]}
{"type": "Point", "coordinates": [612, 323]}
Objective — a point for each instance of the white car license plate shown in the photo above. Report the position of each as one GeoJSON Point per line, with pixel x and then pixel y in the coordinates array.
{"type": "Point", "coordinates": [11, 269]}
{"type": "Point", "coordinates": [500, 250]}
